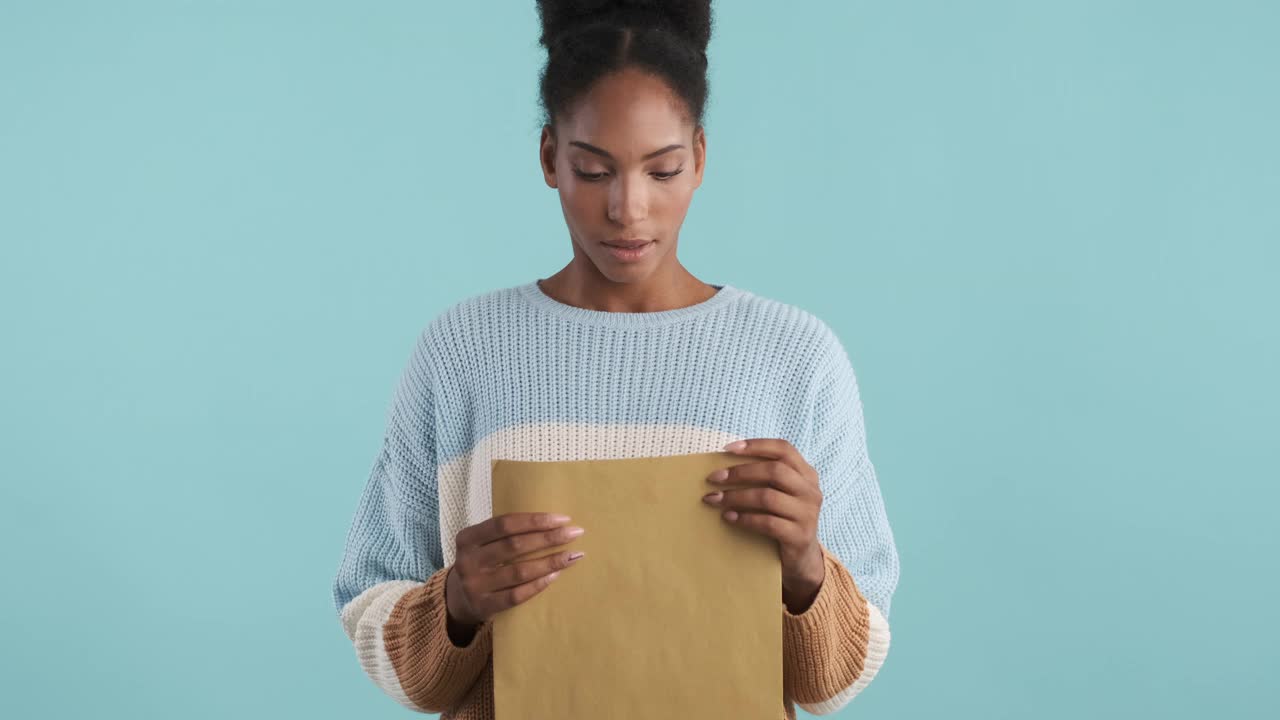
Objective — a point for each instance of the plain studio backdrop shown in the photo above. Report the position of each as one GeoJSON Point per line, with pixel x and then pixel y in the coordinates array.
{"type": "Point", "coordinates": [1046, 232]}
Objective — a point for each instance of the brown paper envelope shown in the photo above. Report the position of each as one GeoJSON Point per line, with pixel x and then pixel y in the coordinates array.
{"type": "Point", "coordinates": [673, 613]}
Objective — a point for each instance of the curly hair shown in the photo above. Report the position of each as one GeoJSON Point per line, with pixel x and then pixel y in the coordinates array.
{"type": "Point", "coordinates": [588, 39]}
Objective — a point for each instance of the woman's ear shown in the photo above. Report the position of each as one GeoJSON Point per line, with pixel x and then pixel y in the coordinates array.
{"type": "Point", "coordinates": [699, 154]}
{"type": "Point", "coordinates": [547, 155]}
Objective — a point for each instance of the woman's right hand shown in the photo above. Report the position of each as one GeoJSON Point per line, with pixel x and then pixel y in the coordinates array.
{"type": "Point", "coordinates": [480, 584]}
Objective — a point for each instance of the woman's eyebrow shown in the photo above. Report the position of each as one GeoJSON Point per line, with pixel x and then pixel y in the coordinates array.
{"type": "Point", "coordinates": [599, 151]}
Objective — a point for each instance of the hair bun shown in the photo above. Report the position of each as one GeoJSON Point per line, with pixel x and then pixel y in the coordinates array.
{"type": "Point", "coordinates": [691, 19]}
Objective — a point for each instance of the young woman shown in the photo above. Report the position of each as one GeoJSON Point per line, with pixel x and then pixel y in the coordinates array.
{"type": "Point", "coordinates": [621, 353]}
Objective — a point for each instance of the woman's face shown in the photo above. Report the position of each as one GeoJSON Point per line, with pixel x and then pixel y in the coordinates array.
{"type": "Point", "coordinates": [626, 161]}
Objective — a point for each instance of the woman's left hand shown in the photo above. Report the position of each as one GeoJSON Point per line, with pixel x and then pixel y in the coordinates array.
{"type": "Point", "coordinates": [782, 502]}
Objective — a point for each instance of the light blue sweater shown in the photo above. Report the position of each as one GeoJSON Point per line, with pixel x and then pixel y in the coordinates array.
{"type": "Point", "coordinates": [514, 373]}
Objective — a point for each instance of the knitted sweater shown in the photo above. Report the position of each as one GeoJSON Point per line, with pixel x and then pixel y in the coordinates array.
{"type": "Point", "coordinates": [514, 373]}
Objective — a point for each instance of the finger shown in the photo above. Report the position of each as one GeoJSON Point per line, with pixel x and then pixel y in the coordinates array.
{"type": "Point", "coordinates": [774, 448]}
{"type": "Point", "coordinates": [772, 473]}
{"type": "Point", "coordinates": [761, 500]}
{"type": "Point", "coordinates": [511, 547]}
{"type": "Point", "coordinates": [781, 529]}
{"type": "Point", "coordinates": [509, 524]}
{"type": "Point", "coordinates": [504, 599]}
{"type": "Point", "coordinates": [528, 570]}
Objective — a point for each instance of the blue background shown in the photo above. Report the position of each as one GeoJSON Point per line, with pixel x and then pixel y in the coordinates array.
{"type": "Point", "coordinates": [1046, 232]}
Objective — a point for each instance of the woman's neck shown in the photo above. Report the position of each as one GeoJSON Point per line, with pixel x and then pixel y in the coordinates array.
{"type": "Point", "coordinates": [657, 292]}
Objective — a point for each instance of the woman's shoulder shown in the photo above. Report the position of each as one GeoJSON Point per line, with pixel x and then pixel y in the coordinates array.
{"type": "Point", "coordinates": [464, 310]}
{"type": "Point", "coordinates": [789, 322]}
{"type": "Point", "coordinates": [451, 330]}
{"type": "Point", "coordinates": [462, 324]}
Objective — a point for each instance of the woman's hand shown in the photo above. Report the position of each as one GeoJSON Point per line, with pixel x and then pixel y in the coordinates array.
{"type": "Point", "coordinates": [480, 584]}
{"type": "Point", "coordinates": [782, 502]}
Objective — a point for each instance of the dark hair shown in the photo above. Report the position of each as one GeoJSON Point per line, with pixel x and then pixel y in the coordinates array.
{"type": "Point", "coordinates": [588, 39]}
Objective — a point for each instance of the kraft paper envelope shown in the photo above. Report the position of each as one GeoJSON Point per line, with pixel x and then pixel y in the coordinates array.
{"type": "Point", "coordinates": [673, 613]}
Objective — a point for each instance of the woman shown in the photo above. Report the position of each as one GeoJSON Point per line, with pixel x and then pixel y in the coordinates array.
{"type": "Point", "coordinates": [622, 353]}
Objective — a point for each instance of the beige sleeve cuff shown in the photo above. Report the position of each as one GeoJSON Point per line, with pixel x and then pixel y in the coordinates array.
{"type": "Point", "coordinates": [434, 673]}
{"type": "Point", "coordinates": [833, 649]}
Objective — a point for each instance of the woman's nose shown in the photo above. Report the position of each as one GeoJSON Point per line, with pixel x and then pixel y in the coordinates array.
{"type": "Point", "coordinates": [628, 202]}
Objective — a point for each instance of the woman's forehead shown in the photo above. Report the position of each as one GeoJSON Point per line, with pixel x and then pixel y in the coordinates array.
{"type": "Point", "coordinates": [631, 109]}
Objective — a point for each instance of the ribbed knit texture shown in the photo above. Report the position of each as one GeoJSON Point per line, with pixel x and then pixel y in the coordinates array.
{"type": "Point", "coordinates": [515, 374]}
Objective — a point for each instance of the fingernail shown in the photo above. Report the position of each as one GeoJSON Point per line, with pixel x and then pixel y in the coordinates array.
{"type": "Point", "coordinates": [576, 556]}
{"type": "Point", "coordinates": [731, 515]}
{"type": "Point", "coordinates": [559, 518]}
{"type": "Point", "coordinates": [713, 498]}
{"type": "Point", "coordinates": [554, 575]}
{"type": "Point", "coordinates": [574, 532]}
{"type": "Point", "coordinates": [736, 445]}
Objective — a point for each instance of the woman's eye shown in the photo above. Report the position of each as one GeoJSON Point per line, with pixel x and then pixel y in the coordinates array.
{"type": "Point", "coordinates": [592, 177]}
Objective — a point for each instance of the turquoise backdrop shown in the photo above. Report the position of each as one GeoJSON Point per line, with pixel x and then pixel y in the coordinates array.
{"type": "Point", "coordinates": [1047, 232]}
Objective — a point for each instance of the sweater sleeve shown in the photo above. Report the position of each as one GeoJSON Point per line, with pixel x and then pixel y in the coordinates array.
{"type": "Point", "coordinates": [833, 649]}
{"type": "Point", "coordinates": [389, 591]}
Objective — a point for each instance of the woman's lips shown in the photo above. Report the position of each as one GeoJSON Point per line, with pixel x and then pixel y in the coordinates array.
{"type": "Point", "coordinates": [629, 254]}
